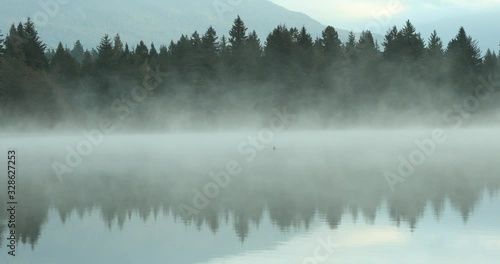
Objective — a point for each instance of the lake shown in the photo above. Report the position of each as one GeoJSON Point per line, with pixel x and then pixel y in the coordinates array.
{"type": "Point", "coordinates": [354, 196]}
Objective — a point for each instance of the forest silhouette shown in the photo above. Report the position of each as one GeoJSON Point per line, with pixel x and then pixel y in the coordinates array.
{"type": "Point", "coordinates": [208, 80]}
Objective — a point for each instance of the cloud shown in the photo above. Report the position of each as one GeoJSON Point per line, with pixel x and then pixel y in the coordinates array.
{"type": "Point", "coordinates": [357, 10]}
{"type": "Point", "coordinates": [341, 9]}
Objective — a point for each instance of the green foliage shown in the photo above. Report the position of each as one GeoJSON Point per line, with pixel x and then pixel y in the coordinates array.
{"type": "Point", "coordinates": [464, 61]}
{"type": "Point", "coordinates": [64, 65]}
{"type": "Point", "coordinates": [77, 51]}
{"type": "Point", "coordinates": [105, 54]}
{"type": "Point", "coordinates": [332, 77]}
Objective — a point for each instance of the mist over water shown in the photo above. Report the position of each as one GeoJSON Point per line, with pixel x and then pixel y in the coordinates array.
{"type": "Point", "coordinates": [292, 147]}
{"type": "Point", "coordinates": [314, 185]}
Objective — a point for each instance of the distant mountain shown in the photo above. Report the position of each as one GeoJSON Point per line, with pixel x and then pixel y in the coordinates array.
{"type": "Point", "coordinates": [482, 26]}
{"type": "Point", "coordinates": [157, 21]}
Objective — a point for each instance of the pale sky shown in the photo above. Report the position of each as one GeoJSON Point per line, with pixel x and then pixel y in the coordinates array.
{"type": "Point", "coordinates": [351, 14]}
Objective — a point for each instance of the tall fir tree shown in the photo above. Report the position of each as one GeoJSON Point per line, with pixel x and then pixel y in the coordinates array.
{"type": "Point", "coordinates": [464, 61]}
{"type": "Point", "coordinates": [141, 53]}
{"type": "Point", "coordinates": [77, 51]}
{"type": "Point", "coordinates": [64, 65]}
{"type": "Point", "coordinates": [105, 54]}
{"type": "Point", "coordinates": [118, 49]}
{"type": "Point", "coordinates": [209, 50]}
{"type": "Point", "coordinates": [490, 66]}
{"type": "Point", "coordinates": [34, 48]}
{"type": "Point", "coordinates": [237, 41]}
{"type": "Point", "coordinates": [87, 63]}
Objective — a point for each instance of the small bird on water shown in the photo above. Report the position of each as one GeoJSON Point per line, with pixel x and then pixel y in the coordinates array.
{"type": "Point", "coordinates": [274, 148]}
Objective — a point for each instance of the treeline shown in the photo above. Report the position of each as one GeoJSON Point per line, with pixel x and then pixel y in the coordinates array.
{"type": "Point", "coordinates": [337, 81]}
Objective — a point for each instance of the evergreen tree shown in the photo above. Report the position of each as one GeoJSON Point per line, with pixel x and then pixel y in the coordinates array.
{"type": "Point", "coordinates": [464, 61]}
{"type": "Point", "coordinates": [180, 61]}
{"type": "Point", "coordinates": [105, 54]}
{"type": "Point", "coordinates": [413, 44]}
{"type": "Point", "coordinates": [209, 49]}
{"type": "Point", "coordinates": [153, 56]}
{"type": "Point", "coordinates": [118, 49]}
{"type": "Point", "coordinates": [77, 51]}
{"type": "Point", "coordinates": [350, 49]}
{"type": "Point", "coordinates": [331, 44]}
{"type": "Point", "coordinates": [163, 58]}
{"type": "Point", "coordinates": [237, 42]}
{"type": "Point", "coordinates": [434, 60]}
{"type": "Point", "coordinates": [366, 43]}
{"type": "Point", "coordinates": [328, 56]}
{"type": "Point", "coordinates": [94, 54]}
{"type": "Point", "coordinates": [141, 53]}
{"type": "Point", "coordinates": [252, 56]}
{"type": "Point", "coordinates": [14, 45]}
{"type": "Point", "coordinates": [392, 45]}
{"type": "Point", "coordinates": [367, 64]}
{"type": "Point", "coordinates": [277, 53]}
{"type": "Point", "coordinates": [63, 64]}
{"type": "Point", "coordinates": [87, 63]}
{"type": "Point", "coordinates": [490, 66]}
{"type": "Point", "coordinates": [34, 48]}
{"type": "Point", "coordinates": [435, 46]}
{"type": "Point", "coordinates": [237, 36]}
{"type": "Point", "coordinates": [153, 53]}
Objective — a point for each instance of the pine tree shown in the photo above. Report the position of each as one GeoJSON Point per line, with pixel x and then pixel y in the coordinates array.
{"type": "Point", "coordinates": [14, 45]}
{"type": "Point", "coordinates": [328, 53]}
{"type": "Point", "coordinates": [277, 53]}
{"type": "Point", "coordinates": [392, 45]}
{"type": "Point", "coordinates": [464, 61]}
{"type": "Point", "coordinates": [366, 43]}
{"type": "Point", "coordinates": [163, 58]}
{"type": "Point", "coordinates": [141, 53]}
{"type": "Point", "coordinates": [153, 56]}
{"type": "Point", "coordinates": [367, 65]}
{"type": "Point", "coordinates": [414, 45]}
{"type": "Point", "coordinates": [435, 46]}
{"type": "Point", "coordinates": [350, 49]}
{"type": "Point", "coordinates": [209, 47]}
{"type": "Point", "coordinates": [331, 43]}
{"type": "Point", "coordinates": [77, 51]}
{"type": "Point", "coordinates": [237, 42]}
{"type": "Point", "coordinates": [34, 48]}
{"type": "Point", "coordinates": [118, 49]}
{"type": "Point", "coordinates": [237, 36]}
{"type": "Point", "coordinates": [252, 56]}
{"type": "Point", "coordinates": [63, 64]}
{"type": "Point", "coordinates": [434, 60]}
{"type": "Point", "coordinates": [87, 63]}
{"type": "Point", "coordinates": [490, 65]}
{"type": "Point", "coordinates": [105, 55]}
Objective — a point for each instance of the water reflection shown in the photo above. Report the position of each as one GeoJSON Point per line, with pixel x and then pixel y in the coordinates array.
{"type": "Point", "coordinates": [281, 192]}
{"type": "Point", "coordinates": [293, 196]}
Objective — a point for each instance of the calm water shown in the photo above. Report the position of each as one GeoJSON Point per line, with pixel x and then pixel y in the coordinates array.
{"type": "Point", "coordinates": [319, 198]}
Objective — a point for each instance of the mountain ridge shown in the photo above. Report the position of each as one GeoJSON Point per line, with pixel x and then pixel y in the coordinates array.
{"type": "Point", "coordinates": [151, 21]}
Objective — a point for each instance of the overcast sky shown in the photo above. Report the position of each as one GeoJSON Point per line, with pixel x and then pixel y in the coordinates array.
{"type": "Point", "coordinates": [352, 14]}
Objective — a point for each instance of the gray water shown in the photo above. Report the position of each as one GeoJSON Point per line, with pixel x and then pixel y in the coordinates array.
{"type": "Point", "coordinates": [319, 197]}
